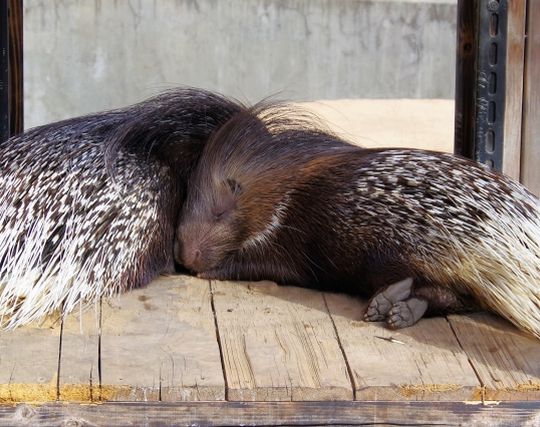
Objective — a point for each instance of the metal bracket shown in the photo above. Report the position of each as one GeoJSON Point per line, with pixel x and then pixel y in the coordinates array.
{"type": "Point", "coordinates": [490, 92]}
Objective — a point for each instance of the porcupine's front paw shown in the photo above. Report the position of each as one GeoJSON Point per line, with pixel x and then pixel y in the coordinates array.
{"type": "Point", "coordinates": [377, 308]}
{"type": "Point", "coordinates": [406, 313]}
{"type": "Point", "coordinates": [380, 305]}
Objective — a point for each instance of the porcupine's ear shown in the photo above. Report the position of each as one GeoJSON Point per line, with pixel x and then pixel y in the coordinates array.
{"type": "Point", "coordinates": [172, 127]}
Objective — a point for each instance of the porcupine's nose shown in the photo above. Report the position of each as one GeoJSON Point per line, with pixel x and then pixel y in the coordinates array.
{"type": "Point", "coordinates": [191, 258]}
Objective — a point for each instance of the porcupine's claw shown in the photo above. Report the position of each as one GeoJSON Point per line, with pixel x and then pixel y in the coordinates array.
{"type": "Point", "coordinates": [406, 313]}
{"type": "Point", "coordinates": [382, 302]}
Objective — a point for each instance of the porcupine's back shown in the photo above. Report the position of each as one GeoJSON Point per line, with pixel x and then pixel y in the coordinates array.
{"type": "Point", "coordinates": [88, 205]}
{"type": "Point", "coordinates": [458, 225]}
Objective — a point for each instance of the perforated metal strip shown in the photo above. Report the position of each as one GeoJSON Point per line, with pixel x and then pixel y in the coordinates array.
{"type": "Point", "coordinates": [490, 96]}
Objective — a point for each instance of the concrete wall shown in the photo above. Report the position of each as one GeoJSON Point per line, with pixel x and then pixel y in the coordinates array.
{"type": "Point", "coordinates": [88, 55]}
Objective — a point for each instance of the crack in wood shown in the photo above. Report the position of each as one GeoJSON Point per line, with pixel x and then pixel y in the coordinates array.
{"type": "Point", "coordinates": [99, 364]}
{"type": "Point", "coordinates": [340, 344]}
{"type": "Point", "coordinates": [91, 383]}
{"type": "Point", "coordinates": [218, 337]}
{"type": "Point", "coordinates": [59, 358]}
{"type": "Point", "coordinates": [482, 387]}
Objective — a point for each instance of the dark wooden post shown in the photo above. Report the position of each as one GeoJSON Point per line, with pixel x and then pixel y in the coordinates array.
{"type": "Point", "coordinates": [16, 95]}
{"type": "Point", "coordinates": [466, 77]}
{"type": "Point", "coordinates": [4, 79]}
{"type": "Point", "coordinates": [11, 68]}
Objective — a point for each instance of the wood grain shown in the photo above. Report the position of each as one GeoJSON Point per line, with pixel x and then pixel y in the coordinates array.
{"type": "Point", "coordinates": [4, 73]}
{"type": "Point", "coordinates": [276, 414]}
{"type": "Point", "coordinates": [79, 374]}
{"type": "Point", "coordinates": [515, 62]}
{"type": "Point", "coordinates": [466, 53]}
{"type": "Point", "coordinates": [422, 362]}
{"type": "Point", "coordinates": [506, 360]}
{"type": "Point", "coordinates": [16, 77]}
{"type": "Point", "coordinates": [159, 343]}
{"type": "Point", "coordinates": [29, 363]}
{"type": "Point", "coordinates": [530, 155]}
{"type": "Point", "coordinates": [278, 343]}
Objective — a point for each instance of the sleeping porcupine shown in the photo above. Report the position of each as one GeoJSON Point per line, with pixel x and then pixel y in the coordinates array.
{"type": "Point", "coordinates": [423, 231]}
{"type": "Point", "coordinates": [88, 205]}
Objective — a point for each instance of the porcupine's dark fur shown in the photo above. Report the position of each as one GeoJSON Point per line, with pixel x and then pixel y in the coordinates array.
{"type": "Point", "coordinates": [273, 199]}
{"type": "Point", "coordinates": [88, 205]}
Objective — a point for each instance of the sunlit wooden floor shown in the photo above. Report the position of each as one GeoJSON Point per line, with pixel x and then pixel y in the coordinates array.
{"type": "Point", "coordinates": [187, 339]}
{"type": "Point", "coordinates": [183, 339]}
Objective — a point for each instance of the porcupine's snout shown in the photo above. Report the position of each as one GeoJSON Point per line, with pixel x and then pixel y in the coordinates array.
{"type": "Point", "coordinates": [191, 259]}
{"type": "Point", "coordinates": [187, 252]}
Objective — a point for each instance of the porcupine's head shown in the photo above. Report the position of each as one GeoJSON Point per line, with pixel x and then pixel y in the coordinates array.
{"type": "Point", "coordinates": [214, 222]}
{"type": "Point", "coordinates": [240, 193]}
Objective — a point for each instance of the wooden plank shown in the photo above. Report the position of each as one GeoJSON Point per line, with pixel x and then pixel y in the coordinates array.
{"type": "Point", "coordinates": [79, 376]}
{"type": "Point", "coordinates": [506, 360]}
{"type": "Point", "coordinates": [423, 362]}
{"type": "Point", "coordinates": [466, 53]}
{"type": "Point", "coordinates": [159, 343]}
{"type": "Point", "coordinates": [515, 62]}
{"type": "Point", "coordinates": [276, 413]}
{"type": "Point", "coordinates": [530, 155]}
{"type": "Point", "coordinates": [278, 343]}
{"type": "Point", "coordinates": [4, 74]}
{"type": "Point", "coordinates": [16, 95]}
{"type": "Point", "coordinates": [29, 363]}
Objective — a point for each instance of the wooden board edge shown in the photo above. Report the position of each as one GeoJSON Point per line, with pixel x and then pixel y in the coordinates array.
{"type": "Point", "coordinates": [421, 392]}
{"type": "Point", "coordinates": [274, 413]}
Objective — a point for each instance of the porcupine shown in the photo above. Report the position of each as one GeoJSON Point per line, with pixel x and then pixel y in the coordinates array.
{"type": "Point", "coordinates": [419, 231]}
{"type": "Point", "coordinates": [88, 205]}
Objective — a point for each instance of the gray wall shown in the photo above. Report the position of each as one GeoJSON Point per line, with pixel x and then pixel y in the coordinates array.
{"type": "Point", "coordinates": [88, 55]}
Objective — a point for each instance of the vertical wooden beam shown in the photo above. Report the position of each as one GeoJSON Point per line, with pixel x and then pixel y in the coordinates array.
{"type": "Point", "coordinates": [466, 77]}
{"type": "Point", "coordinates": [515, 63]}
{"type": "Point", "coordinates": [4, 99]}
{"type": "Point", "coordinates": [11, 68]}
{"type": "Point", "coordinates": [530, 154]}
{"type": "Point", "coordinates": [15, 92]}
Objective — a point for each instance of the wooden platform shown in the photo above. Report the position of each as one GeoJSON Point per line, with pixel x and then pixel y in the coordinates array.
{"type": "Point", "coordinates": [187, 340]}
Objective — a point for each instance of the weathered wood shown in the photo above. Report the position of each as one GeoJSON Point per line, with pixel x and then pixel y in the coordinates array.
{"type": "Point", "coordinates": [423, 362]}
{"type": "Point", "coordinates": [278, 343]}
{"type": "Point", "coordinates": [4, 74]}
{"type": "Point", "coordinates": [466, 53]}
{"type": "Point", "coordinates": [159, 343]}
{"type": "Point", "coordinates": [16, 95]}
{"type": "Point", "coordinates": [530, 155]}
{"type": "Point", "coordinates": [515, 61]}
{"type": "Point", "coordinates": [29, 363]}
{"type": "Point", "coordinates": [506, 360]}
{"type": "Point", "coordinates": [79, 375]}
{"type": "Point", "coordinates": [276, 414]}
